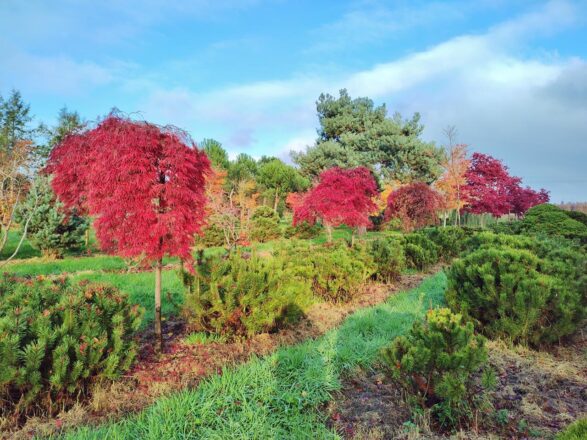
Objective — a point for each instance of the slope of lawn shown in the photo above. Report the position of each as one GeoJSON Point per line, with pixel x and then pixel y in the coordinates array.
{"type": "Point", "coordinates": [278, 396]}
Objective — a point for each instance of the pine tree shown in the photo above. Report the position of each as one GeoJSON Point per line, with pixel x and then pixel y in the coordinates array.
{"type": "Point", "coordinates": [51, 229]}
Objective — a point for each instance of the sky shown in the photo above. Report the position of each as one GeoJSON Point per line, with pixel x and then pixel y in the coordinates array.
{"type": "Point", "coordinates": [511, 76]}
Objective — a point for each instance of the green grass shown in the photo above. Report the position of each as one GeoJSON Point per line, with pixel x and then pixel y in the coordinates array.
{"type": "Point", "coordinates": [39, 266]}
{"type": "Point", "coordinates": [197, 338]}
{"type": "Point", "coordinates": [140, 288]}
{"type": "Point", "coordinates": [575, 431]}
{"type": "Point", "coordinates": [25, 251]}
{"type": "Point", "coordinates": [279, 396]}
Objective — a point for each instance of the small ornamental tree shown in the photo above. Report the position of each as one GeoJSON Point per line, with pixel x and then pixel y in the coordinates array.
{"type": "Point", "coordinates": [341, 197]}
{"type": "Point", "coordinates": [414, 204]}
{"type": "Point", "coordinates": [144, 184]}
{"type": "Point", "coordinates": [488, 186]}
{"type": "Point", "coordinates": [523, 199]}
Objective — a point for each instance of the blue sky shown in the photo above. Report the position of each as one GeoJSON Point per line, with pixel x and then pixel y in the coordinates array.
{"type": "Point", "coordinates": [510, 75]}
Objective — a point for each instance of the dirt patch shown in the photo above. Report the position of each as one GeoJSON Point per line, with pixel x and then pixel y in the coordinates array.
{"type": "Point", "coordinates": [184, 366]}
{"type": "Point", "coordinates": [537, 395]}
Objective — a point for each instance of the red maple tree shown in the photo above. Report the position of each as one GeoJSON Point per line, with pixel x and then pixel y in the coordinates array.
{"type": "Point", "coordinates": [523, 199]}
{"type": "Point", "coordinates": [144, 184]}
{"type": "Point", "coordinates": [488, 186]}
{"type": "Point", "coordinates": [341, 197]}
{"type": "Point", "coordinates": [415, 205]}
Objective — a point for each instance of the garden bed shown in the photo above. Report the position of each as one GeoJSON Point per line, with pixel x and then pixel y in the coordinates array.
{"type": "Point", "coordinates": [538, 394]}
{"type": "Point", "coordinates": [183, 365]}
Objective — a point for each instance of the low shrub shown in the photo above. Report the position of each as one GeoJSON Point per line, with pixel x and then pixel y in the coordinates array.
{"type": "Point", "coordinates": [212, 236]}
{"type": "Point", "coordinates": [436, 362]}
{"type": "Point", "coordinates": [265, 224]}
{"type": "Point", "coordinates": [450, 240]}
{"type": "Point", "coordinates": [388, 257]}
{"type": "Point", "coordinates": [508, 227]}
{"type": "Point", "coordinates": [513, 294]}
{"type": "Point", "coordinates": [575, 431]}
{"type": "Point", "coordinates": [242, 295]}
{"type": "Point", "coordinates": [551, 220]}
{"type": "Point", "coordinates": [303, 230]}
{"type": "Point", "coordinates": [420, 251]}
{"type": "Point", "coordinates": [578, 215]}
{"type": "Point", "coordinates": [57, 336]}
{"type": "Point", "coordinates": [336, 271]}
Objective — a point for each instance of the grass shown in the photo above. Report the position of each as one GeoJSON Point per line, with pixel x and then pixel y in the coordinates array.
{"type": "Point", "coordinates": [281, 395]}
{"type": "Point", "coordinates": [25, 251]}
{"type": "Point", "coordinates": [199, 338]}
{"type": "Point", "coordinates": [34, 267]}
{"type": "Point", "coordinates": [575, 431]}
{"type": "Point", "coordinates": [140, 288]}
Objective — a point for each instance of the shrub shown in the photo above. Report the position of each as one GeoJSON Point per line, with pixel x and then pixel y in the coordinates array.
{"type": "Point", "coordinates": [420, 251]}
{"type": "Point", "coordinates": [242, 295]}
{"type": "Point", "coordinates": [56, 336]}
{"type": "Point", "coordinates": [265, 224]}
{"type": "Point", "coordinates": [450, 240]}
{"type": "Point", "coordinates": [212, 236]}
{"type": "Point", "coordinates": [575, 431]}
{"type": "Point", "coordinates": [388, 257]}
{"type": "Point", "coordinates": [303, 230]}
{"type": "Point", "coordinates": [511, 293]}
{"type": "Point", "coordinates": [550, 220]}
{"type": "Point", "coordinates": [436, 362]}
{"type": "Point", "coordinates": [339, 271]}
{"type": "Point", "coordinates": [578, 215]}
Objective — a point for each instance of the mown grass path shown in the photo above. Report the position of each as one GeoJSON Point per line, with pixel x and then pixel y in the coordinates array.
{"type": "Point", "coordinates": [278, 396]}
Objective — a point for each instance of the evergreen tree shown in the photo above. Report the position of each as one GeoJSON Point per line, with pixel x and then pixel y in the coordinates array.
{"type": "Point", "coordinates": [353, 132]}
{"type": "Point", "coordinates": [216, 154]}
{"type": "Point", "coordinates": [15, 121]}
{"type": "Point", "coordinates": [51, 229]}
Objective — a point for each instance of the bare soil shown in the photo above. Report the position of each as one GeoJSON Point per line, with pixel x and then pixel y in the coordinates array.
{"type": "Point", "coordinates": [537, 395]}
{"type": "Point", "coordinates": [185, 365]}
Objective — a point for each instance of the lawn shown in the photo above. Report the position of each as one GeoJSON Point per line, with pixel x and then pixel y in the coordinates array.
{"type": "Point", "coordinates": [281, 395]}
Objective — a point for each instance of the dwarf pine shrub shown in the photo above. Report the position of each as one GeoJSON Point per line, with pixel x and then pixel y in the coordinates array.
{"type": "Point", "coordinates": [388, 257]}
{"type": "Point", "coordinates": [420, 251]}
{"type": "Point", "coordinates": [533, 298]}
{"type": "Point", "coordinates": [435, 362]}
{"type": "Point", "coordinates": [242, 295]}
{"type": "Point", "coordinates": [56, 336]}
{"type": "Point", "coordinates": [265, 224]}
{"type": "Point", "coordinates": [450, 240]}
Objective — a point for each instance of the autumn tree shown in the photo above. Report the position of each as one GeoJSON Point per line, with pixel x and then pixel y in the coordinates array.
{"type": "Point", "coordinates": [415, 205]}
{"type": "Point", "coordinates": [355, 132]}
{"type": "Point", "coordinates": [488, 186]}
{"type": "Point", "coordinates": [144, 184]}
{"type": "Point", "coordinates": [455, 165]}
{"type": "Point", "coordinates": [524, 198]}
{"type": "Point", "coordinates": [341, 197]}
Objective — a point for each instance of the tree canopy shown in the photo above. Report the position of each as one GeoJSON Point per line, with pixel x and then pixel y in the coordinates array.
{"type": "Point", "coordinates": [354, 132]}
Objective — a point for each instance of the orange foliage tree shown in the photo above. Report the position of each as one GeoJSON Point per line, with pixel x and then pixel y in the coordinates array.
{"type": "Point", "coordinates": [452, 181]}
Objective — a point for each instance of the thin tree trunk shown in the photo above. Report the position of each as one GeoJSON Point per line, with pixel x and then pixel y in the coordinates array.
{"type": "Point", "coordinates": [276, 201]}
{"type": "Point", "coordinates": [158, 333]}
{"type": "Point", "coordinates": [328, 232]}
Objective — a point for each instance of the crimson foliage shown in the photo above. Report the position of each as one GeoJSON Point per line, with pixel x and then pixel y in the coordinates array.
{"type": "Point", "coordinates": [490, 189]}
{"type": "Point", "coordinates": [414, 204]}
{"type": "Point", "coordinates": [341, 197]}
{"type": "Point", "coordinates": [144, 184]}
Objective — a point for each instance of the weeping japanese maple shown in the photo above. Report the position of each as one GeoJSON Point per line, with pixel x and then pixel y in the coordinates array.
{"type": "Point", "coordinates": [144, 185]}
{"type": "Point", "coordinates": [341, 197]}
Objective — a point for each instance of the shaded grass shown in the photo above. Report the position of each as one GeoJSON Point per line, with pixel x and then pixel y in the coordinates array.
{"type": "Point", "coordinates": [279, 396]}
{"type": "Point", "coordinates": [35, 267]}
{"type": "Point", "coordinates": [25, 251]}
{"type": "Point", "coordinates": [140, 288]}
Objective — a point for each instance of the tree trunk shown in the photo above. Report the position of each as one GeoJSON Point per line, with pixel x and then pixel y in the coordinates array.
{"type": "Point", "coordinates": [328, 232]}
{"type": "Point", "coordinates": [158, 333]}
{"type": "Point", "coordinates": [87, 239]}
{"type": "Point", "coordinates": [276, 201]}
